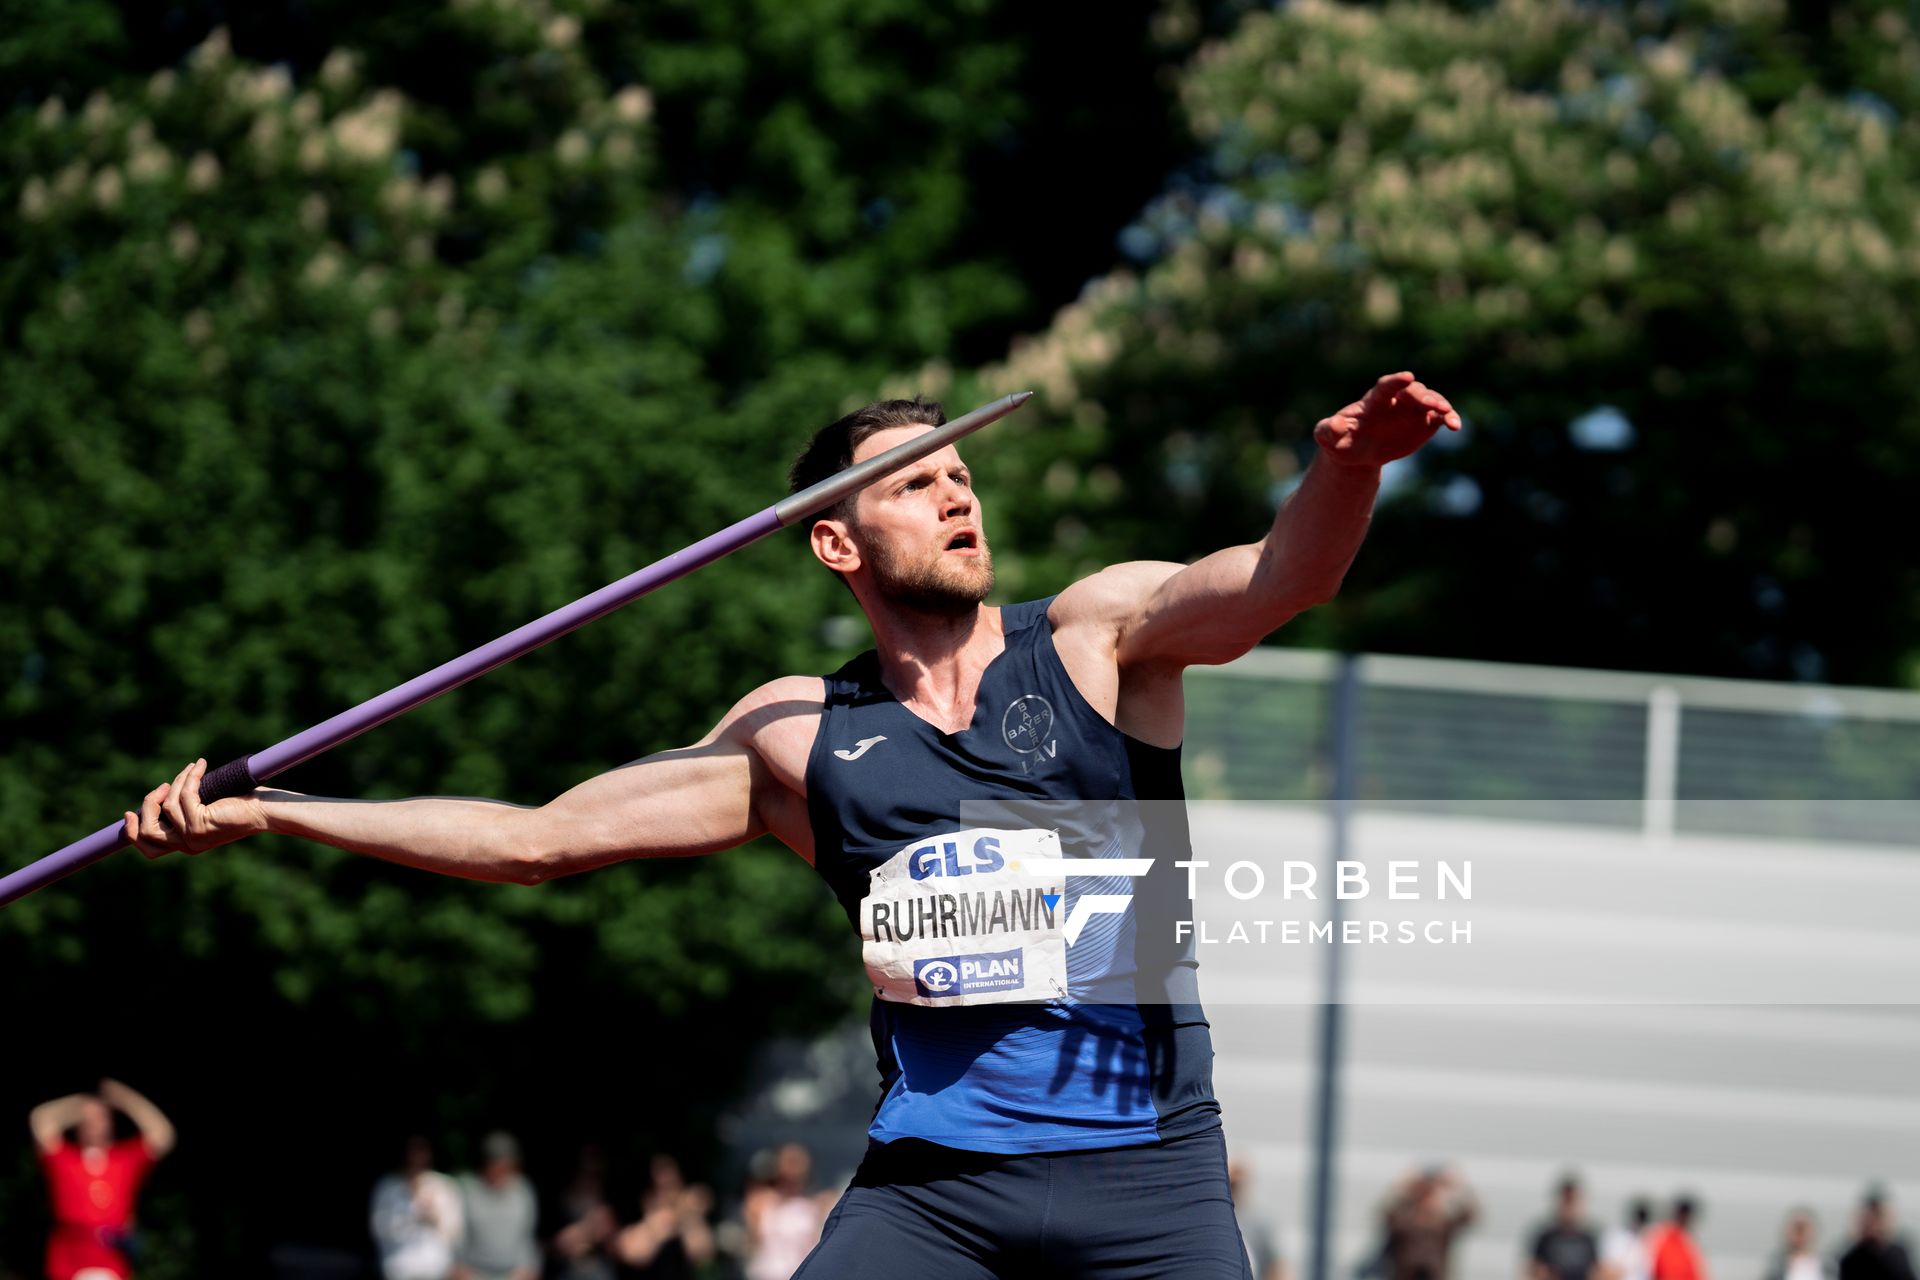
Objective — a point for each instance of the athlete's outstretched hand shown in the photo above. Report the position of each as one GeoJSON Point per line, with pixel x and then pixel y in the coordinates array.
{"type": "Point", "coordinates": [1392, 420]}
{"type": "Point", "coordinates": [172, 819]}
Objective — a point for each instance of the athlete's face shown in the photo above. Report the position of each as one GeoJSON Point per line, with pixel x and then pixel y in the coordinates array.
{"type": "Point", "coordinates": [918, 533]}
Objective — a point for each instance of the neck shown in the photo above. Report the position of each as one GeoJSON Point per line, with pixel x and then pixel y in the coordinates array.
{"type": "Point", "coordinates": [932, 662]}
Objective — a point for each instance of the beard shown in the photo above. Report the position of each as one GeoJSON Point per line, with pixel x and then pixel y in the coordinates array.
{"type": "Point", "coordinates": [936, 585]}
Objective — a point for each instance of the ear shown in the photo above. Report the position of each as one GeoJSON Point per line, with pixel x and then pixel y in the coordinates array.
{"type": "Point", "coordinates": [833, 545]}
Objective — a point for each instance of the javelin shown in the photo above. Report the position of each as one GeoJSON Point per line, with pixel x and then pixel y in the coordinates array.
{"type": "Point", "coordinates": [242, 774]}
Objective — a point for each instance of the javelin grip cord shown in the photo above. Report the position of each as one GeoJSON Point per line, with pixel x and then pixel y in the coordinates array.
{"type": "Point", "coordinates": [241, 775]}
{"type": "Point", "coordinates": [233, 778]}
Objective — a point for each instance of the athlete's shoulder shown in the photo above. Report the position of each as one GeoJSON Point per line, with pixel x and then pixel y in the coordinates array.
{"type": "Point", "coordinates": [778, 722]}
{"type": "Point", "coordinates": [1111, 597]}
{"type": "Point", "coordinates": [778, 714]}
{"type": "Point", "coordinates": [789, 691]}
{"type": "Point", "coordinates": [1091, 620]}
{"type": "Point", "coordinates": [776, 708]}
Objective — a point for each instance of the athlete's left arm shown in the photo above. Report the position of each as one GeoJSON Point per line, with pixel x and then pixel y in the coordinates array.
{"type": "Point", "coordinates": [1217, 608]}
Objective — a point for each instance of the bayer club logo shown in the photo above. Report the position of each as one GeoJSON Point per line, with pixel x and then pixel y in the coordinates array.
{"type": "Point", "coordinates": [937, 976]}
{"type": "Point", "coordinates": [1028, 723]}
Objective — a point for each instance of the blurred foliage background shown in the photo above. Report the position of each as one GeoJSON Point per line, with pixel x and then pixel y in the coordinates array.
{"type": "Point", "coordinates": [339, 337]}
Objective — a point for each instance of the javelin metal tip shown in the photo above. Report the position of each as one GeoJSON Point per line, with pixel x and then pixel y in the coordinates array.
{"type": "Point", "coordinates": [1020, 397]}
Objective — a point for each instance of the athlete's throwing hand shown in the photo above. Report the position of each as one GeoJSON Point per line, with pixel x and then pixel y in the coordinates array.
{"type": "Point", "coordinates": [172, 819]}
{"type": "Point", "coordinates": [1398, 416]}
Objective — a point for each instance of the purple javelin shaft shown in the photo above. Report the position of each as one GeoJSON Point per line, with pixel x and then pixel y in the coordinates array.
{"type": "Point", "coordinates": [239, 776]}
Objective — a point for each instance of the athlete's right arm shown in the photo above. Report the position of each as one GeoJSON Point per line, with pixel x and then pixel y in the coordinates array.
{"type": "Point", "coordinates": [738, 782]}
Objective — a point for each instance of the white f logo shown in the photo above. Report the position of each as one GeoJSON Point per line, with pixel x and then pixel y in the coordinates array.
{"type": "Point", "coordinates": [1091, 904]}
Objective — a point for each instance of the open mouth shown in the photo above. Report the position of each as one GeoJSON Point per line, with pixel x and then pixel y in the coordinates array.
{"type": "Point", "coordinates": [965, 540]}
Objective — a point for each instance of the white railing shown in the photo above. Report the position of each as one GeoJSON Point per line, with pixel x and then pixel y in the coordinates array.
{"type": "Point", "coordinates": [1685, 749]}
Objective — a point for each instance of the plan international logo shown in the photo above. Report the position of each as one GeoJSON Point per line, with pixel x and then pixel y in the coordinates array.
{"type": "Point", "coordinates": [969, 975]}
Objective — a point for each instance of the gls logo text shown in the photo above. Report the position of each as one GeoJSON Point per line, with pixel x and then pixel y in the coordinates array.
{"type": "Point", "coordinates": [943, 859]}
{"type": "Point", "coordinates": [1088, 905]}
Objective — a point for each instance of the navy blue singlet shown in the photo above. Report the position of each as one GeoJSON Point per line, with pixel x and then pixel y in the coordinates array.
{"type": "Point", "coordinates": [930, 841]}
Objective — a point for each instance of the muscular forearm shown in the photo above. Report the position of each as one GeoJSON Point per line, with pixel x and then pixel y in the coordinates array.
{"type": "Point", "coordinates": [472, 838]}
{"type": "Point", "coordinates": [699, 800]}
{"type": "Point", "coordinates": [1217, 608]}
{"type": "Point", "coordinates": [1316, 534]}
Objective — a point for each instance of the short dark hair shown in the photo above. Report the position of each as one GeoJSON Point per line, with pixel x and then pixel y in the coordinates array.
{"type": "Point", "coordinates": [832, 448]}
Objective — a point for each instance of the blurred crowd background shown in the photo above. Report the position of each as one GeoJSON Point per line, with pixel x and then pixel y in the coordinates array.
{"type": "Point", "coordinates": [340, 336]}
{"type": "Point", "coordinates": [647, 1221]}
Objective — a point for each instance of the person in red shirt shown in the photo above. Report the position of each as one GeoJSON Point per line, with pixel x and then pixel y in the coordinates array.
{"type": "Point", "coordinates": [1671, 1251]}
{"type": "Point", "coordinates": [93, 1180]}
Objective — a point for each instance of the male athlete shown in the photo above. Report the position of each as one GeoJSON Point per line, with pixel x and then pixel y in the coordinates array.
{"type": "Point", "coordinates": [1023, 1128]}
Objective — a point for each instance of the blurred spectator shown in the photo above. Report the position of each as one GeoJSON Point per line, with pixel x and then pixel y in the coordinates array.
{"type": "Point", "coordinates": [1799, 1257]}
{"type": "Point", "coordinates": [782, 1218]}
{"type": "Point", "coordinates": [1426, 1211]}
{"type": "Point", "coordinates": [416, 1218]}
{"type": "Point", "coordinates": [1565, 1248]}
{"type": "Point", "coordinates": [1623, 1250]}
{"type": "Point", "coordinates": [94, 1181]}
{"type": "Point", "coordinates": [1672, 1253]}
{"type": "Point", "coordinates": [499, 1243]}
{"type": "Point", "coordinates": [1255, 1230]}
{"type": "Point", "coordinates": [579, 1248]}
{"type": "Point", "coordinates": [672, 1239]}
{"type": "Point", "coordinates": [1876, 1253]}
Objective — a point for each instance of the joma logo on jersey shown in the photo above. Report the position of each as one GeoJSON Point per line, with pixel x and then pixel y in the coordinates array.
{"type": "Point", "coordinates": [943, 859]}
{"type": "Point", "coordinates": [1088, 905]}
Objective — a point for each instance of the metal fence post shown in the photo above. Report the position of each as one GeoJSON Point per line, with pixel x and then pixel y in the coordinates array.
{"type": "Point", "coordinates": [1343, 727]}
{"type": "Point", "coordinates": [1663, 761]}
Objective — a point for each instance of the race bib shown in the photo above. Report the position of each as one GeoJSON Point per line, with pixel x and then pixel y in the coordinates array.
{"type": "Point", "coordinates": [960, 919]}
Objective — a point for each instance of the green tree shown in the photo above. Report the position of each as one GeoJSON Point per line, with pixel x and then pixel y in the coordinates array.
{"type": "Point", "coordinates": [329, 361]}
{"type": "Point", "coordinates": [271, 449]}
{"type": "Point", "coordinates": [1663, 257]}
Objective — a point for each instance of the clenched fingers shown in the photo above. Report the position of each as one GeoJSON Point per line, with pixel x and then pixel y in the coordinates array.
{"type": "Point", "coordinates": [186, 789]}
{"type": "Point", "coordinates": [144, 829]}
{"type": "Point", "coordinates": [151, 826]}
{"type": "Point", "coordinates": [170, 806]}
{"type": "Point", "coordinates": [132, 831]}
